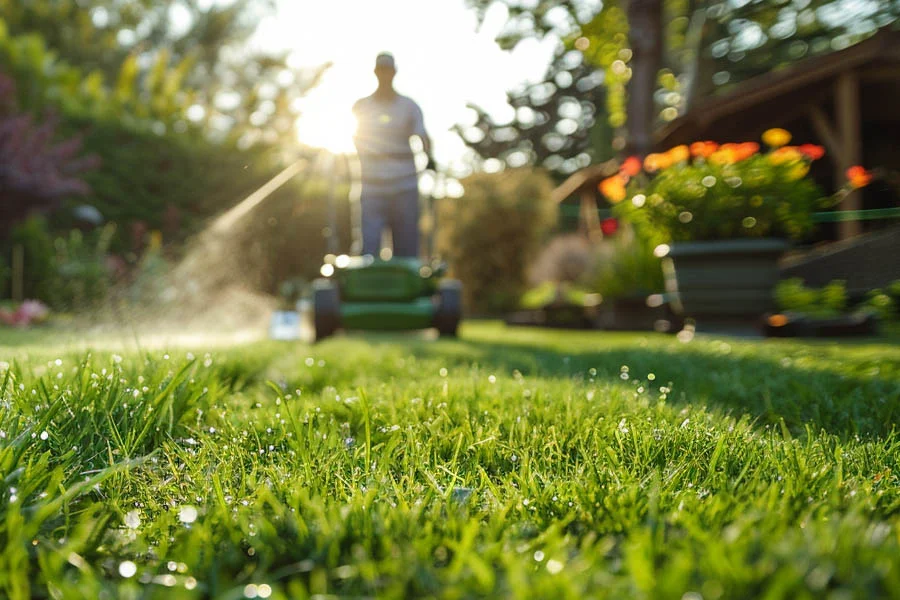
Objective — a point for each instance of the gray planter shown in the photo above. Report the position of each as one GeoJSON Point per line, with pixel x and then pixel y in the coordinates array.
{"type": "Point", "coordinates": [727, 279]}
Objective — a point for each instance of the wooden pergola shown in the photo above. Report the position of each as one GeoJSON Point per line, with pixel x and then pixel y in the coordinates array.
{"type": "Point", "coordinates": [583, 185]}
{"type": "Point", "coordinates": [845, 100]}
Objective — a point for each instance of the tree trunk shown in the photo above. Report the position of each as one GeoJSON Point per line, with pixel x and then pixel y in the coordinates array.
{"type": "Point", "coordinates": [645, 38]}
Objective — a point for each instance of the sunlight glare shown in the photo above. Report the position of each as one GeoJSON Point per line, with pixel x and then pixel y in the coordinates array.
{"type": "Point", "coordinates": [328, 125]}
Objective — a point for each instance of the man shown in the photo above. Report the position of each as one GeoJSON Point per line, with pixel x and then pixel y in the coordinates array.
{"type": "Point", "coordinates": [390, 188]}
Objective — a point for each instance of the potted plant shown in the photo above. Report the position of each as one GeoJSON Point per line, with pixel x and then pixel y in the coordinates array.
{"type": "Point", "coordinates": [629, 278]}
{"type": "Point", "coordinates": [722, 216]}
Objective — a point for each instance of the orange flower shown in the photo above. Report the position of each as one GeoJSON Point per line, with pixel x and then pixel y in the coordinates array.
{"type": "Point", "coordinates": [811, 151]}
{"type": "Point", "coordinates": [613, 188]}
{"type": "Point", "coordinates": [746, 150]}
{"type": "Point", "coordinates": [678, 154]}
{"type": "Point", "coordinates": [786, 154]}
{"type": "Point", "coordinates": [776, 137]}
{"type": "Point", "coordinates": [858, 177]}
{"type": "Point", "coordinates": [725, 155]}
{"type": "Point", "coordinates": [656, 162]}
{"type": "Point", "coordinates": [703, 149]}
{"type": "Point", "coordinates": [631, 166]}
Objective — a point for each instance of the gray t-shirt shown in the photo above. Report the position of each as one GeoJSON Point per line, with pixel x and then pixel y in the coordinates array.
{"type": "Point", "coordinates": [382, 141]}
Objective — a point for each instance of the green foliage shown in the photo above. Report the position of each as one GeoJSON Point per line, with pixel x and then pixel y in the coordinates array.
{"type": "Point", "coordinates": [67, 273]}
{"type": "Point", "coordinates": [493, 233]}
{"type": "Point", "coordinates": [507, 464]}
{"type": "Point", "coordinates": [551, 292]}
{"type": "Point", "coordinates": [81, 276]}
{"type": "Point", "coordinates": [625, 266]}
{"type": "Point", "coordinates": [39, 270]}
{"type": "Point", "coordinates": [793, 296]}
{"type": "Point", "coordinates": [882, 304]}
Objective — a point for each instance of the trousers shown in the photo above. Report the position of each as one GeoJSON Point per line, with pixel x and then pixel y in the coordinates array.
{"type": "Point", "coordinates": [396, 210]}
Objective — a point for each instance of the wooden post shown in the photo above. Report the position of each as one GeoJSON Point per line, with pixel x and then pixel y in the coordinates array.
{"type": "Point", "coordinates": [589, 219]}
{"type": "Point", "coordinates": [18, 273]}
{"type": "Point", "coordinates": [848, 119]}
{"type": "Point", "coordinates": [830, 139]}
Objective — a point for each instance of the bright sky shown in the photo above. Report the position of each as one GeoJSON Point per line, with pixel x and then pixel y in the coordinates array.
{"type": "Point", "coordinates": [443, 63]}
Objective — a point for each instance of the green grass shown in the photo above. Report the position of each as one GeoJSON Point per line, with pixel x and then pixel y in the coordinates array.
{"type": "Point", "coordinates": [509, 464]}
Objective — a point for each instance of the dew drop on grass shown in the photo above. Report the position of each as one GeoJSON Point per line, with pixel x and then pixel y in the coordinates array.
{"type": "Point", "coordinates": [443, 372]}
{"type": "Point", "coordinates": [264, 590]}
{"type": "Point", "coordinates": [172, 565]}
{"type": "Point", "coordinates": [539, 556]}
{"type": "Point", "coordinates": [127, 569]}
{"type": "Point", "coordinates": [651, 377]}
{"type": "Point", "coordinates": [492, 379]}
{"type": "Point", "coordinates": [187, 514]}
{"type": "Point", "coordinates": [44, 435]}
{"type": "Point", "coordinates": [554, 566]}
{"type": "Point", "coordinates": [190, 583]}
{"type": "Point", "coordinates": [133, 519]}
{"type": "Point", "coordinates": [250, 591]}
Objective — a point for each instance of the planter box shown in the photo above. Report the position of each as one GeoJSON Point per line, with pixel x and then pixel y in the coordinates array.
{"type": "Point", "coordinates": [634, 314]}
{"type": "Point", "coordinates": [724, 280]}
{"type": "Point", "coordinates": [799, 325]}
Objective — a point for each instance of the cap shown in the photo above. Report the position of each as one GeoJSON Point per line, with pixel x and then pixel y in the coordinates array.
{"type": "Point", "coordinates": [385, 60]}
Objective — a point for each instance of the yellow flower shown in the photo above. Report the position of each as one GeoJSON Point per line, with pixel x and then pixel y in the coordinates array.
{"type": "Point", "coordinates": [786, 154]}
{"type": "Point", "coordinates": [155, 240]}
{"type": "Point", "coordinates": [798, 171]}
{"type": "Point", "coordinates": [657, 162]}
{"type": "Point", "coordinates": [776, 137]}
{"type": "Point", "coordinates": [678, 154]}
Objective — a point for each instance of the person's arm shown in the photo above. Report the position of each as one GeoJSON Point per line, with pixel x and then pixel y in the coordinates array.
{"type": "Point", "coordinates": [420, 132]}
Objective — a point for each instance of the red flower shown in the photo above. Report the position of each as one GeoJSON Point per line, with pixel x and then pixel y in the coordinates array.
{"type": "Point", "coordinates": [812, 151]}
{"type": "Point", "coordinates": [609, 226]}
{"type": "Point", "coordinates": [858, 177]}
{"type": "Point", "coordinates": [631, 166]}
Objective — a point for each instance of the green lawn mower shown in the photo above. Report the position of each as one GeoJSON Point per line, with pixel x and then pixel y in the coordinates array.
{"type": "Point", "coordinates": [366, 293]}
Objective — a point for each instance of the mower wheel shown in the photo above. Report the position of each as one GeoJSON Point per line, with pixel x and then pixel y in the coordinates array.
{"type": "Point", "coordinates": [449, 307]}
{"type": "Point", "coordinates": [326, 309]}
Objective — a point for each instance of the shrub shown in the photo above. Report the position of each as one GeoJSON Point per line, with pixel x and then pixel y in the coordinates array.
{"type": "Point", "coordinates": [36, 171]}
{"type": "Point", "coordinates": [625, 266]}
{"type": "Point", "coordinates": [493, 233]}
{"type": "Point", "coordinates": [33, 237]}
{"type": "Point", "coordinates": [566, 259]}
{"type": "Point", "coordinates": [830, 301]}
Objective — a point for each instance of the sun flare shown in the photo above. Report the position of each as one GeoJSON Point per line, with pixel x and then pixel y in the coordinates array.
{"type": "Point", "coordinates": [330, 126]}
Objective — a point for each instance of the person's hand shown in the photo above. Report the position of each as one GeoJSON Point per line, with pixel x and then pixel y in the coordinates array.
{"type": "Point", "coordinates": [431, 166]}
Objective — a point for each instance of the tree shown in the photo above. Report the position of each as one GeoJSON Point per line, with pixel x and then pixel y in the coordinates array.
{"type": "Point", "coordinates": [191, 51]}
{"type": "Point", "coordinates": [559, 123]}
{"type": "Point", "coordinates": [660, 55]}
{"type": "Point", "coordinates": [36, 171]}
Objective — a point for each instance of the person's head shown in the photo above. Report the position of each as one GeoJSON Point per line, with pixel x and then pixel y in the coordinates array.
{"type": "Point", "coordinates": [385, 69]}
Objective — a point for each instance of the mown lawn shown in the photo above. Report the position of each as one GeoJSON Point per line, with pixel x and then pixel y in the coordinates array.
{"type": "Point", "coordinates": [508, 464]}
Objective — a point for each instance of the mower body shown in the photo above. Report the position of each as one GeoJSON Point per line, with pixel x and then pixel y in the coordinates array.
{"type": "Point", "coordinates": [364, 293]}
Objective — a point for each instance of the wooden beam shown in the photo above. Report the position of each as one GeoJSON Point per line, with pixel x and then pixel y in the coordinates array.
{"type": "Point", "coordinates": [825, 130]}
{"type": "Point", "coordinates": [848, 118]}
{"type": "Point", "coordinates": [589, 219]}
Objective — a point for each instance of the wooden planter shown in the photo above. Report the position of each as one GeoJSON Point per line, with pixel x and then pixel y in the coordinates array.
{"type": "Point", "coordinates": [633, 313]}
{"type": "Point", "coordinates": [727, 280]}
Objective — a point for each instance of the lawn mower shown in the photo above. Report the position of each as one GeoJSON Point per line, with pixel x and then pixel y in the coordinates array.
{"type": "Point", "coordinates": [384, 294]}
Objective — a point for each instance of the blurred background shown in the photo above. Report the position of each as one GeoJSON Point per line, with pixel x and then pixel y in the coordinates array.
{"type": "Point", "coordinates": [130, 128]}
